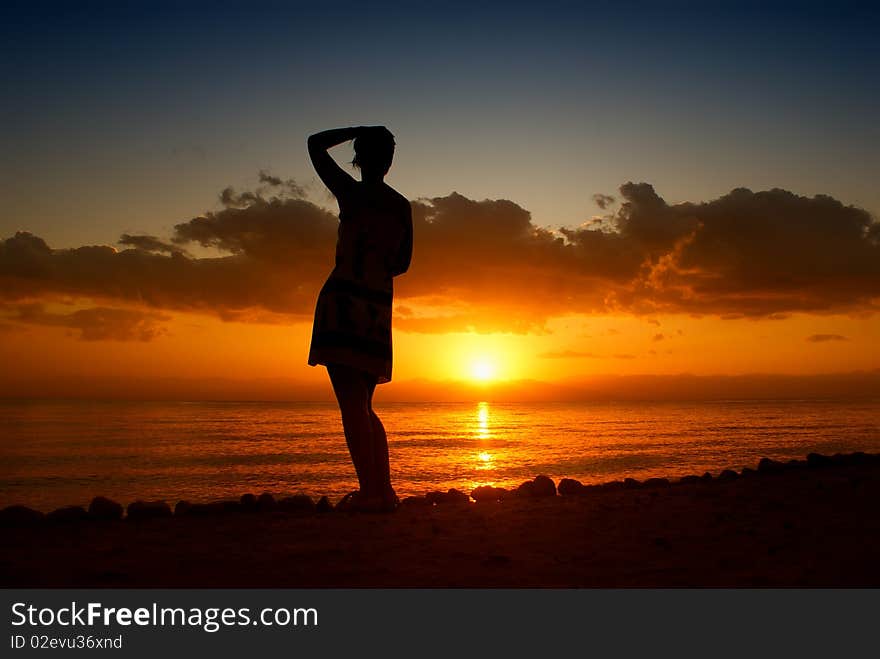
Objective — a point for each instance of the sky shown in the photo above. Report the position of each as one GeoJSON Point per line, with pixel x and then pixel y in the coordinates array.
{"type": "Point", "coordinates": [608, 189]}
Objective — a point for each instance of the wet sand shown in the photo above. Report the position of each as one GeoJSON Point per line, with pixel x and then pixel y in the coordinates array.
{"type": "Point", "coordinates": [796, 525]}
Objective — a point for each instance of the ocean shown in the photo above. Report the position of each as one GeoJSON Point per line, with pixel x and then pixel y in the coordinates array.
{"type": "Point", "coordinates": [55, 453]}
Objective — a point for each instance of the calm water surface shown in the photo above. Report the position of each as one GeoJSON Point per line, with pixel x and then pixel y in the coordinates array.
{"type": "Point", "coordinates": [55, 453]}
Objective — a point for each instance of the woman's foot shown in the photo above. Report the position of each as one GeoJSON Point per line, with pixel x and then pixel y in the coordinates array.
{"type": "Point", "coordinates": [375, 504]}
{"type": "Point", "coordinates": [391, 499]}
{"type": "Point", "coordinates": [357, 502]}
{"type": "Point", "coordinates": [346, 504]}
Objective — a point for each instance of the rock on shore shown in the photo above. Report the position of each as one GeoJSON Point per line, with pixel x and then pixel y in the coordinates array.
{"type": "Point", "coordinates": [540, 487]}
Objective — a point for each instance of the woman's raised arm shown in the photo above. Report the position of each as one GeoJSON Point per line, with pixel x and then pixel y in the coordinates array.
{"type": "Point", "coordinates": [333, 176]}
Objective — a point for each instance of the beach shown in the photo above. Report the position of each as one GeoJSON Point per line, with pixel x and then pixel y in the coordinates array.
{"type": "Point", "coordinates": [806, 523]}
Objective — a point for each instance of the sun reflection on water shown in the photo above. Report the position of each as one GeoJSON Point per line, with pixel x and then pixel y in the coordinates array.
{"type": "Point", "coordinates": [482, 426]}
{"type": "Point", "coordinates": [485, 461]}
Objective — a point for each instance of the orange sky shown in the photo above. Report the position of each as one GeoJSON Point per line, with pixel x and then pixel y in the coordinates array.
{"type": "Point", "coordinates": [200, 346]}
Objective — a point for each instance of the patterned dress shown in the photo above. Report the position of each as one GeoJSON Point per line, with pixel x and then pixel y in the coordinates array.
{"type": "Point", "coordinates": [353, 314]}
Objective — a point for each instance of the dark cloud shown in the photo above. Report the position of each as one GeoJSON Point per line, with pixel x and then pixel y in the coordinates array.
{"type": "Point", "coordinates": [236, 284]}
{"type": "Point", "coordinates": [284, 186]}
{"type": "Point", "coordinates": [150, 244]}
{"type": "Point", "coordinates": [93, 324]}
{"type": "Point", "coordinates": [658, 337]}
{"type": "Point", "coordinates": [280, 248]}
{"type": "Point", "coordinates": [603, 201]}
{"type": "Point", "coordinates": [271, 189]}
{"type": "Point", "coordinates": [745, 254]}
{"type": "Point", "coordinates": [232, 199]}
{"type": "Point", "coordinates": [281, 233]}
{"type": "Point", "coordinates": [269, 179]}
{"type": "Point", "coordinates": [822, 338]}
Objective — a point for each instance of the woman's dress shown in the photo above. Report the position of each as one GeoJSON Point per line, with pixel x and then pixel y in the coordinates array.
{"type": "Point", "coordinates": [352, 323]}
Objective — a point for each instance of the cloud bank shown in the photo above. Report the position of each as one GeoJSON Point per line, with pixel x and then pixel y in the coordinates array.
{"type": "Point", "coordinates": [481, 264]}
{"type": "Point", "coordinates": [93, 324]}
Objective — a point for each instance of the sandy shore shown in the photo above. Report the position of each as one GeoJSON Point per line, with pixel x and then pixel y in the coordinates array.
{"type": "Point", "coordinates": [793, 525]}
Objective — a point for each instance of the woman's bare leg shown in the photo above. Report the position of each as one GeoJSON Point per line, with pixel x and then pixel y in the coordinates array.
{"type": "Point", "coordinates": [352, 394]}
{"type": "Point", "coordinates": [381, 462]}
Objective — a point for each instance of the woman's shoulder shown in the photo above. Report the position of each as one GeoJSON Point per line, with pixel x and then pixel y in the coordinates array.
{"type": "Point", "coordinates": [368, 201]}
{"type": "Point", "coordinates": [400, 202]}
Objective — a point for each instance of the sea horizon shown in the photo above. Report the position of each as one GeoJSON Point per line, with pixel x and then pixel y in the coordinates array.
{"type": "Point", "coordinates": [59, 452]}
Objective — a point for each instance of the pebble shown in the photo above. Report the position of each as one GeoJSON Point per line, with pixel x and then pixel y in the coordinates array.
{"type": "Point", "coordinates": [20, 516]}
{"type": "Point", "coordinates": [68, 514]}
{"type": "Point", "coordinates": [266, 502]}
{"type": "Point", "coordinates": [323, 505]}
{"type": "Point", "coordinates": [147, 510]}
{"type": "Point", "coordinates": [297, 503]}
{"type": "Point", "coordinates": [104, 508]}
{"type": "Point", "coordinates": [488, 493]}
{"type": "Point", "coordinates": [571, 487]}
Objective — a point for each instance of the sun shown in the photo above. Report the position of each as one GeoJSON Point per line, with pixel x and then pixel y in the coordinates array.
{"type": "Point", "coordinates": [482, 370]}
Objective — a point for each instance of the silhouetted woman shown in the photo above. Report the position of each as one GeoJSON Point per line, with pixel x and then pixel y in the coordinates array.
{"type": "Point", "coordinates": [351, 335]}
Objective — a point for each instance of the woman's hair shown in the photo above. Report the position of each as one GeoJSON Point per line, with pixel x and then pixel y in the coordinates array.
{"type": "Point", "coordinates": [374, 149]}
